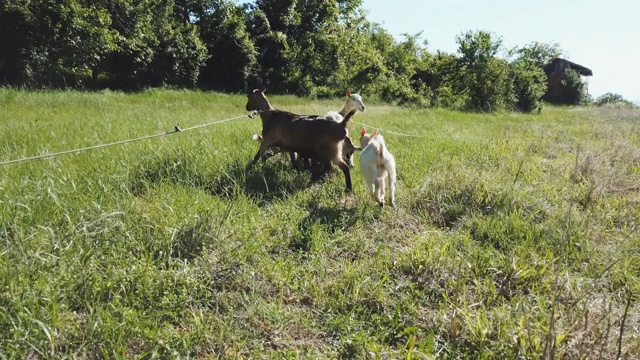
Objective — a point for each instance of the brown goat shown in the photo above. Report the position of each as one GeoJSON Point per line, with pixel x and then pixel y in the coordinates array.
{"type": "Point", "coordinates": [354, 101]}
{"type": "Point", "coordinates": [310, 135]}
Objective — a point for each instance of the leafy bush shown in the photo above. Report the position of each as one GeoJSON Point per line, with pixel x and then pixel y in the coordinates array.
{"type": "Point", "coordinates": [537, 53]}
{"type": "Point", "coordinates": [310, 48]}
{"type": "Point", "coordinates": [612, 99]}
{"type": "Point", "coordinates": [436, 79]}
{"type": "Point", "coordinates": [232, 53]}
{"type": "Point", "coordinates": [484, 77]}
{"type": "Point", "coordinates": [179, 57]}
{"type": "Point", "coordinates": [573, 90]}
{"type": "Point", "coordinates": [529, 85]}
{"type": "Point", "coordinates": [52, 43]}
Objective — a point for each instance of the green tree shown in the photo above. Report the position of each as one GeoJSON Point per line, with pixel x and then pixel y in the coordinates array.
{"type": "Point", "coordinates": [306, 47]}
{"type": "Point", "coordinates": [16, 26]}
{"type": "Point", "coordinates": [54, 42]}
{"type": "Point", "coordinates": [232, 54]}
{"type": "Point", "coordinates": [573, 89]}
{"type": "Point", "coordinates": [372, 72]}
{"type": "Point", "coordinates": [484, 77]}
{"type": "Point", "coordinates": [137, 41]}
{"type": "Point", "coordinates": [355, 54]}
{"type": "Point", "coordinates": [269, 32]}
{"type": "Point", "coordinates": [89, 42]}
{"type": "Point", "coordinates": [178, 57]}
{"type": "Point", "coordinates": [154, 47]}
{"type": "Point", "coordinates": [529, 85]}
{"type": "Point", "coordinates": [300, 42]}
{"type": "Point", "coordinates": [537, 53]}
{"type": "Point", "coordinates": [440, 74]}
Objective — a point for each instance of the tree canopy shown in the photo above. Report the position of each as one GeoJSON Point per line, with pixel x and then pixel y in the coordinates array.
{"type": "Point", "coordinates": [304, 47]}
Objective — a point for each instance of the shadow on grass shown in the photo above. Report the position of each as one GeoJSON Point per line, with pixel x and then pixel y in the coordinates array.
{"type": "Point", "coordinates": [263, 182]}
{"type": "Point", "coordinates": [446, 204]}
{"type": "Point", "coordinates": [322, 220]}
{"type": "Point", "coordinates": [273, 181]}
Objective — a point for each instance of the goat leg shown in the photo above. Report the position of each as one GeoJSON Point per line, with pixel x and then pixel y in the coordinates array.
{"type": "Point", "coordinates": [348, 158]}
{"type": "Point", "coordinates": [265, 156]}
{"type": "Point", "coordinates": [261, 154]}
{"type": "Point", "coordinates": [380, 191]}
{"type": "Point", "coordinates": [320, 171]}
{"type": "Point", "coordinates": [255, 158]}
{"type": "Point", "coordinates": [347, 175]}
{"type": "Point", "coordinates": [391, 180]}
{"type": "Point", "coordinates": [348, 149]}
{"type": "Point", "coordinates": [294, 160]}
{"type": "Point", "coordinates": [307, 162]}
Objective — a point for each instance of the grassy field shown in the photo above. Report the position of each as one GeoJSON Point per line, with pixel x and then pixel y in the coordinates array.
{"type": "Point", "coordinates": [515, 236]}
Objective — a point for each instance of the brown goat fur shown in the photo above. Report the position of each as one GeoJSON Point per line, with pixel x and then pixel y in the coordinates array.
{"type": "Point", "coordinates": [307, 161]}
{"type": "Point", "coordinates": [310, 135]}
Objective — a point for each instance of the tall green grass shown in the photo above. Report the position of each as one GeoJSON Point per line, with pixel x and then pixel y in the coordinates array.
{"type": "Point", "coordinates": [515, 236]}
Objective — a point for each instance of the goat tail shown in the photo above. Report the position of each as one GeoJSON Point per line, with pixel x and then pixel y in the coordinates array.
{"type": "Point", "coordinates": [348, 117]}
{"type": "Point", "coordinates": [257, 137]}
{"type": "Point", "coordinates": [382, 144]}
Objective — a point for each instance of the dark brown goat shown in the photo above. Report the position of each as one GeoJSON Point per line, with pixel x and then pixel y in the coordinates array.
{"type": "Point", "coordinates": [354, 101]}
{"type": "Point", "coordinates": [310, 135]}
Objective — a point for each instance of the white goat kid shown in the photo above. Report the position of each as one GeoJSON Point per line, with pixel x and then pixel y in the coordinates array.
{"type": "Point", "coordinates": [377, 166]}
{"type": "Point", "coordinates": [354, 101]}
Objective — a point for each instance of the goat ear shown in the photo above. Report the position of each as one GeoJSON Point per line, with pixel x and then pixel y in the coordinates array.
{"type": "Point", "coordinates": [363, 131]}
{"type": "Point", "coordinates": [348, 92]}
{"type": "Point", "coordinates": [375, 132]}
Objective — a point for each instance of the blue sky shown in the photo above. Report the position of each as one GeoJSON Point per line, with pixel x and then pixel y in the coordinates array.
{"type": "Point", "coordinates": [601, 35]}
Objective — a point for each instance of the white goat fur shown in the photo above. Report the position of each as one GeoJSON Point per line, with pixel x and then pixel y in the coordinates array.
{"type": "Point", "coordinates": [377, 166]}
{"type": "Point", "coordinates": [354, 101]}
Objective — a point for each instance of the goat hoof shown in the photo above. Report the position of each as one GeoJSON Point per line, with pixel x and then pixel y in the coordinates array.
{"type": "Point", "coordinates": [346, 199]}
